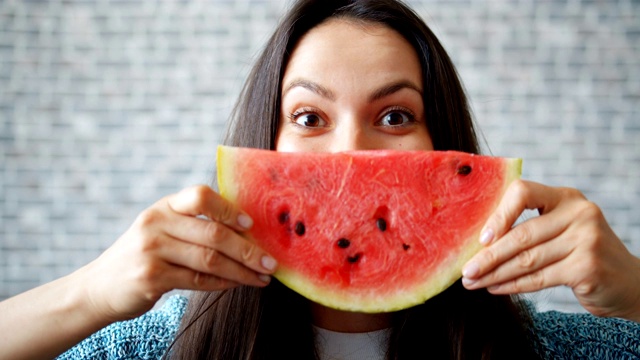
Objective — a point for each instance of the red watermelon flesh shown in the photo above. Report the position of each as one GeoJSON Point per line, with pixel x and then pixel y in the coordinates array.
{"type": "Point", "coordinates": [367, 231]}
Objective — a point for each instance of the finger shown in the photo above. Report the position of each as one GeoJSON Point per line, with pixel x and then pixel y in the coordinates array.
{"type": "Point", "coordinates": [208, 261]}
{"type": "Point", "coordinates": [221, 238]}
{"type": "Point", "coordinates": [523, 263]}
{"type": "Point", "coordinates": [547, 277]}
{"type": "Point", "coordinates": [516, 244]}
{"type": "Point", "coordinates": [187, 279]}
{"type": "Point", "coordinates": [520, 195]}
{"type": "Point", "coordinates": [202, 200]}
{"type": "Point", "coordinates": [218, 237]}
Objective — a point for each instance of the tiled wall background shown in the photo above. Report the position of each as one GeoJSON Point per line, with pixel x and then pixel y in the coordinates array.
{"type": "Point", "coordinates": [107, 106]}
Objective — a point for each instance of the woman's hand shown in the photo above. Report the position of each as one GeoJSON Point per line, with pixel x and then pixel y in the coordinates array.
{"type": "Point", "coordinates": [569, 244]}
{"type": "Point", "coordinates": [187, 240]}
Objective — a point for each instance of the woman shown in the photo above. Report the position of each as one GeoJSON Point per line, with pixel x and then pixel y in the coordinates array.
{"type": "Point", "coordinates": [336, 75]}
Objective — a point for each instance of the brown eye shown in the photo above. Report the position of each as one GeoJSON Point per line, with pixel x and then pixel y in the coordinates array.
{"type": "Point", "coordinates": [309, 120]}
{"type": "Point", "coordinates": [396, 118]}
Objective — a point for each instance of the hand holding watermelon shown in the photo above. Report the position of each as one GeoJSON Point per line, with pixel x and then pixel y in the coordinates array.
{"type": "Point", "coordinates": [570, 244]}
{"type": "Point", "coordinates": [188, 240]}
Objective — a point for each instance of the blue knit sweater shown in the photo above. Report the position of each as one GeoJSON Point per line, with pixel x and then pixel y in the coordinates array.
{"type": "Point", "coordinates": [560, 336]}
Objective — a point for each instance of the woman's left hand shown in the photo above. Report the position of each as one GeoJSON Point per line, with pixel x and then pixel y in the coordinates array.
{"type": "Point", "coordinates": [569, 244]}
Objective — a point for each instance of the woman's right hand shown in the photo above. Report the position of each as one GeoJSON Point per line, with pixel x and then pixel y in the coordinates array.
{"type": "Point", "coordinates": [189, 240]}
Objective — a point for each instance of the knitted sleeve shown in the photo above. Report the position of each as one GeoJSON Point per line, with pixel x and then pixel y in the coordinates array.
{"type": "Point", "coordinates": [584, 336]}
{"type": "Point", "coordinates": [145, 337]}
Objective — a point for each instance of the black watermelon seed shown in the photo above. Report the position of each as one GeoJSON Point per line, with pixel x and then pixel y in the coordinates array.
{"type": "Point", "coordinates": [354, 259]}
{"type": "Point", "coordinates": [283, 217]}
{"type": "Point", "coordinates": [299, 228]}
{"type": "Point", "coordinates": [464, 170]}
{"type": "Point", "coordinates": [382, 224]}
{"type": "Point", "coordinates": [406, 246]}
{"type": "Point", "coordinates": [343, 243]}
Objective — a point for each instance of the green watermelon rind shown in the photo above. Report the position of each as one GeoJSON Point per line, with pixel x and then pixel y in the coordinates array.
{"type": "Point", "coordinates": [226, 184]}
{"type": "Point", "coordinates": [372, 302]}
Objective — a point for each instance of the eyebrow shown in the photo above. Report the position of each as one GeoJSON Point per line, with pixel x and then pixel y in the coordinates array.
{"type": "Point", "coordinates": [313, 87]}
{"type": "Point", "coordinates": [379, 93]}
{"type": "Point", "coordinates": [389, 89]}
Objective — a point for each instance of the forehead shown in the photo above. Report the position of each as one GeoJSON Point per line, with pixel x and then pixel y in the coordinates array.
{"type": "Point", "coordinates": [342, 47]}
{"type": "Point", "coordinates": [342, 31]}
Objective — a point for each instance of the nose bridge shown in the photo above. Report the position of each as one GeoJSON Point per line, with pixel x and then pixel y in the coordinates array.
{"type": "Point", "coordinates": [350, 134]}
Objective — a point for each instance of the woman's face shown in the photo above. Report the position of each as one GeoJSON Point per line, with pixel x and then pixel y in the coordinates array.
{"type": "Point", "coordinates": [352, 86]}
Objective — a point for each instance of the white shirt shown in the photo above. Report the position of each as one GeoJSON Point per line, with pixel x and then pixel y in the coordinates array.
{"type": "Point", "coordinates": [334, 345]}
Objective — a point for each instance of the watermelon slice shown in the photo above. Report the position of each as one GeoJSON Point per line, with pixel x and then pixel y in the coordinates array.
{"type": "Point", "coordinates": [366, 231]}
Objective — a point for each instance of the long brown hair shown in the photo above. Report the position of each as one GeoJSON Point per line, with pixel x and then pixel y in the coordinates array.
{"type": "Point", "coordinates": [274, 322]}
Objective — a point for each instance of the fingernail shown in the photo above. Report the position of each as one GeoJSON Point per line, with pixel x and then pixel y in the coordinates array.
{"type": "Point", "coordinates": [245, 221]}
{"type": "Point", "coordinates": [467, 282]}
{"type": "Point", "coordinates": [269, 263]}
{"type": "Point", "coordinates": [471, 270]}
{"type": "Point", "coordinates": [486, 236]}
{"type": "Point", "coordinates": [264, 278]}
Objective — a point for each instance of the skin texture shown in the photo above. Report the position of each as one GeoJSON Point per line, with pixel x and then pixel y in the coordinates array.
{"type": "Point", "coordinates": [348, 86]}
